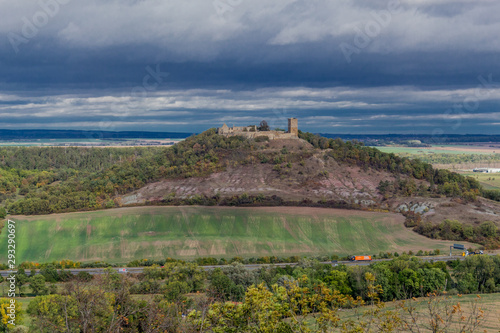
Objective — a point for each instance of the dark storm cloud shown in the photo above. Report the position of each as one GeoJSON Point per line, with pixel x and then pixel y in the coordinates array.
{"type": "Point", "coordinates": [92, 64]}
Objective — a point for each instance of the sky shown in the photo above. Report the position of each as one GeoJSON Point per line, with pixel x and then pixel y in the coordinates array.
{"type": "Point", "coordinates": [339, 66]}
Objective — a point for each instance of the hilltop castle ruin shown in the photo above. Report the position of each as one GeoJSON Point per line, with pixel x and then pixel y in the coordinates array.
{"type": "Point", "coordinates": [252, 131]}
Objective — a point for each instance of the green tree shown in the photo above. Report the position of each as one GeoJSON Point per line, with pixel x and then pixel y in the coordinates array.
{"type": "Point", "coordinates": [174, 291]}
{"type": "Point", "coordinates": [50, 273]}
{"type": "Point", "coordinates": [37, 284]}
{"type": "Point", "coordinates": [473, 273]}
{"type": "Point", "coordinates": [338, 280]}
{"type": "Point", "coordinates": [488, 229]}
{"type": "Point", "coordinates": [468, 232]}
{"type": "Point", "coordinates": [21, 279]}
{"type": "Point", "coordinates": [432, 280]}
{"type": "Point", "coordinates": [410, 282]}
{"type": "Point", "coordinates": [223, 288]}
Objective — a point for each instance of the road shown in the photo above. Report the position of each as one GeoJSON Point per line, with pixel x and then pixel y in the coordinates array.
{"type": "Point", "coordinates": [138, 270]}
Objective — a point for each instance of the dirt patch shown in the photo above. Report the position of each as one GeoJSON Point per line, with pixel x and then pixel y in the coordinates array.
{"type": "Point", "coordinates": [187, 253]}
{"type": "Point", "coordinates": [303, 173]}
{"type": "Point", "coordinates": [453, 209]}
{"type": "Point", "coordinates": [217, 249]}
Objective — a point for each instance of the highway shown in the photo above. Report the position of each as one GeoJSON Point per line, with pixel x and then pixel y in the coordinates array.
{"type": "Point", "coordinates": [138, 270]}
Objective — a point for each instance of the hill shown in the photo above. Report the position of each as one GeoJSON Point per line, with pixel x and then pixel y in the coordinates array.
{"type": "Point", "coordinates": [292, 170]}
{"type": "Point", "coordinates": [209, 169]}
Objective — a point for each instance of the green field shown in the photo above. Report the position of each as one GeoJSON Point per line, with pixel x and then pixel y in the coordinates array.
{"type": "Point", "coordinates": [438, 149]}
{"type": "Point", "coordinates": [121, 235]}
{"type": "Point", "coordinates": [490, 181]}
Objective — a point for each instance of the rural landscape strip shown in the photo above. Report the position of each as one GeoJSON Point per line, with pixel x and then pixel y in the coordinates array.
{"type": "Point", "coordinates": [139, 270]}
{"type": "Point", "coordinates": [395, 205]}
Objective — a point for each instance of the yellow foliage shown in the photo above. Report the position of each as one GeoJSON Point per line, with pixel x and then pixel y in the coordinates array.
{"type": "Point", "coordinates": [5, 311]}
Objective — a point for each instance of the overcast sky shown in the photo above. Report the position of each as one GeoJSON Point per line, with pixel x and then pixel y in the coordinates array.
{"type": "Point", "coordinates": [339, 66]}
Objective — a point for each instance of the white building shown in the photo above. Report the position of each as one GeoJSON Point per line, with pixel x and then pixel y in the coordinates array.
{"type": "Point", "coordinates": [486, 170]}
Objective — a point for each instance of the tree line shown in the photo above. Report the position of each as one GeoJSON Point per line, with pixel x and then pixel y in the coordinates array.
{"type": "Point", "coordinates": [310, 297]}
{"type": "Point", "coordinates": [441, 181]}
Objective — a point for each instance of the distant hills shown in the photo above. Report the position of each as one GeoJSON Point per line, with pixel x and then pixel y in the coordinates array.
{"type": "Point", "coordinates": [370, 139]}
{"type": "Point", "coordinates": [75, 134]}
{"type": "Point", "coordinates": [424, 138]}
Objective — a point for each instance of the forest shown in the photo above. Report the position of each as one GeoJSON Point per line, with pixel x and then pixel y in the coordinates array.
{"type": "Point", "coordinates": [309, 297]}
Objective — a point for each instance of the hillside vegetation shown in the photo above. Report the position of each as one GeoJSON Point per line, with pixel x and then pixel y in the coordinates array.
{"type": "Point", "coordinates": [309, 297]}
{"type": "Point", "coordinates": [209, 169]}
{"type": "Point", "coordinates": [50, 180]}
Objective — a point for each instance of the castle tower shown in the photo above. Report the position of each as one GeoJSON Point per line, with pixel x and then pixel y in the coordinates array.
{"type": "Point", "coordinates": [223, 130]}
{"type": "Point", "coordinates": [293, 126]}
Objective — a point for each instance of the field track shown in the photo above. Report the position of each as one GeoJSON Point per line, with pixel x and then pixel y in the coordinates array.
{"type": "Point", "coordinates": [122, 235]}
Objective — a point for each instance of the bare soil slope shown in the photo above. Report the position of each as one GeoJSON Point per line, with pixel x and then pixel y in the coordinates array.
{"type": "Point", "coordinates": [436, 210]}
{"type": "Point", "coordinates": [313, 178]}
{"type": "Point", "coordinates": [304, 173]}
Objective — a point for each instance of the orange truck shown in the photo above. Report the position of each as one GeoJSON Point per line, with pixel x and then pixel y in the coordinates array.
{"type": "Point", "coordinates": [361, 258]}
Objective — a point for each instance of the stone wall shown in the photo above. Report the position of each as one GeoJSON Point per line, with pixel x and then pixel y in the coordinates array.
{"type": "Point", "coordinates": [252, 132]}
{"type": "Point", "coordinates": [272, 135]}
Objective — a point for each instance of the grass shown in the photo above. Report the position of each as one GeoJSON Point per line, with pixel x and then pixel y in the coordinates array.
{"type": "Point", "coordinates": [489, 303]}
{"type": "Point", "coordinates": [490, 181]}
{"type": "Point", "coordinates": [440, 149]}
{"type": "Point", "coordinates": [122, 235]}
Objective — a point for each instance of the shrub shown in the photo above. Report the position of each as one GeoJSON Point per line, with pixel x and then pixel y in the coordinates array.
{"type": "Point", "coordinates": [488, 229]}
{"type": "Point", "coordinates": [84, 276]}
{"type": "Point", "coordinates": [174, 291]}
{"type": "Point", "coordinates": [262, 138]}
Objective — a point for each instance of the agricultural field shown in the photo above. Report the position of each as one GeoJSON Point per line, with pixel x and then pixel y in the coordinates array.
{"type": "Point", "coordinates": [440, 149]}
{"type": "Point", "coordinates": [122, 235]}
{"type": "Point", "coordinates": [490, 181]}
{"type": "Point", "coordinates": [458, 158]}
{"type": "Point", "coordinates": [489, 303]}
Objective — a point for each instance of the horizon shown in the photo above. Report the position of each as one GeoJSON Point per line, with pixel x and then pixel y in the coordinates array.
{"type": "Point", "coordinates": [196, 133]}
